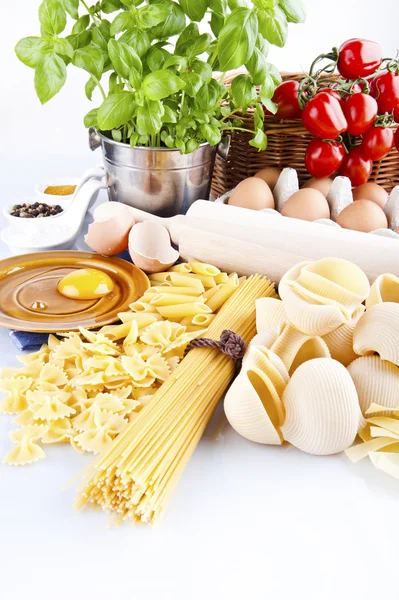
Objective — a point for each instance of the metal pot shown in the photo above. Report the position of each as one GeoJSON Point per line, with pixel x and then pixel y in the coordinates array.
{"type": "Point", "coordinates": [161, 181]}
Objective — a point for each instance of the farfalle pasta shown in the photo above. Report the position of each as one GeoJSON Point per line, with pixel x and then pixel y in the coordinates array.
{"type": "Point", "coordinates": [85, 387]}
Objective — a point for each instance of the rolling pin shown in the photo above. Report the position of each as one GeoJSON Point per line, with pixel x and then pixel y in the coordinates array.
{"type": "Point", "coordinates": [248, 241]}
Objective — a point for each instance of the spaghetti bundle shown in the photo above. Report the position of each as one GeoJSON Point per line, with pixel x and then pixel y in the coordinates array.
{"type": "Point", "coordinates": [136, 476]}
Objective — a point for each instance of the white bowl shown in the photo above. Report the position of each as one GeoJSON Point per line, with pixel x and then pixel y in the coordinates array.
{"type": "Point", "coordinates": [53, 198]}
{"type": "Point", "coordinates": [29, 222]}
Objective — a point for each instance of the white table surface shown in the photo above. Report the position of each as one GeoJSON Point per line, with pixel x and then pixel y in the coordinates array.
{"type": "Point", "coordinates": [246, 522]}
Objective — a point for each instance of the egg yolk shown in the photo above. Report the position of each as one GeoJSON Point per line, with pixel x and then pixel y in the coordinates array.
{"type": "Point", "coordinates": [85, 284]}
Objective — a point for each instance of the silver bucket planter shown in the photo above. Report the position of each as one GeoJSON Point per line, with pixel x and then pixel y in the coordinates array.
{"type": "Point", "coordinates": [157, 180]}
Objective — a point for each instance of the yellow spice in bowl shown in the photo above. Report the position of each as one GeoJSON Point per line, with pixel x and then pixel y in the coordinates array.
{"type": "Point", "coordinates": [60, 190]}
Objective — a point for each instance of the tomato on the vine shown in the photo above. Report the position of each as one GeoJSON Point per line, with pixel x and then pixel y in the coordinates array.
{"type": "Point", "coordinates": [356, 167]}
{"type": "Point", "coordinates": [360, 111]}
{"type": "Point", "coordinates": [286, 98]}
{"type": "Point", "coordinates": [323, 158]}
{"type": "Point", "coordinates": [332, 93]}
{"type": "Point", "coordinates": [385, 89]}
{"type": "Point", "coordinates": [323, 116]}
{"type": "Point", "coordinates": [397, 139]}
{"type": "Point", "coordinates": [377, 142]}
{"type": "Point", "coordinates": [396, 113]}
{"type": "Point", "coordinates": [359, 58]}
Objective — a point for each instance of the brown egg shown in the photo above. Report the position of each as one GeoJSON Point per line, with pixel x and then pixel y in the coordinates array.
{"type": "Point", "coordinates": [269, 176]}
{"type": "Point", "coordinates": [252, 193]}
{"type": "Point", "coordinates": [362, 215]}
{"type": "Point", "coordinates": [371, 191]}
{"type": "Point", "coordinates": [323, 184]}
{"type": "Point", "coordinates": [307, 204]}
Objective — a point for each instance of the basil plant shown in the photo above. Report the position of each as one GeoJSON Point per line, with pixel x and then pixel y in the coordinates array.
{"type": "Point", "coordinates": [154, 69]}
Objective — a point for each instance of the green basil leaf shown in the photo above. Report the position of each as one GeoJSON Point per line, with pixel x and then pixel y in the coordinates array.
{"type": "Point", "coordinates": [174, 23]}
{"type": "Point", "coordinates": [30, 50]}
{"type": "Point", "coordinates": [122, 21]}
{"type": "Point", "coordinates": [169, 115]}
{"type": "Point", "coordinates": [135, 78]}
{"type": "Point", "coordinates": [193, 83]}
{"type": "Point", "coordinates": [90, 120]}
{"type": "Point", "coordinates": [219, 7]}
{"type": "Point", "coordinates": [259, 116]}
{"type": "Point", "coordinates": [236, 3]}
{"type": "Point", "coordinates": [256, 66]}
{"type": "Point", "coordinates": [259, 140]}
{"type": "Point", "coordinates": [116, 135]}
{"type": "Point", "coordinates": [113, 84]}
{"type": "Point", "coordinates": [123, 58]}
{"type": "Point", "coordinates": [91, 59]}
{"type": "Point", "coordinates": [199, 46]}
{"type": "Point", "coordinates": [269, 104]}
{"type": "Point", "coordinates": [89, 88]}
{"type": "Point", "coordinates": [274, 73]}
{"type": "Point", "coordinates": [110, 6]}
{"type": "Point", "coordinates": [71, 7]}
{"type": "Point", "coordinates": [138, 39]}
{"type": "Point", "coordinates": [133, 139]}
{"type": "Point", "coordinates": [185, 124]}
{"type": "Point", "coordinates": [273, 25]}
{"type": "Point", "coordinates": [295, 10]}
{"type": "Point", "coordinates": [116, 110]}
{"type": "Point", "coordinates": [50, 76]}
{"type": "Point", "coordinates": [203, 69]}
{"type": "Point", "coordinates": [237, 38]}
{"type": "Point", "coordinates": [152, 14]}
{"type": "Point", "coordinates": [216, 24]}
{"type": "Point", "coordinates": [81, 24]}
{"type": "Point", "coordinates": [149, 117]}
{"type": "Point", "coordinates": [263, 45]}
{"type": "Point", "coordinates": [211, 134]}
{"type": "Point", "coordinates": [161, 84]}
{"type": "Point", "coordinates": [52, 18]}
{"type": "Point", "coordinates": [186, 38]}
{"type": "Point", "coordinates": [174, 60]}
{"type": "Point", "coordinates": [243, 91]}
{"type": "Point", "coordinates": [156, 58]}
{"type": "Point", "coordinates": [208, 96]}
{"type": "Point", "coordinates": [79, 40]}
{"type": "Point", "coordinates": [194, 9]}
{"type": "Point", "coordinates": [268, 86]}
{"type": "Point", "coordinates": [62, 46]}
{"type": "Point", "coordinates": [101, 34]}
{"type": "Point", "coordinates": [191, 145]}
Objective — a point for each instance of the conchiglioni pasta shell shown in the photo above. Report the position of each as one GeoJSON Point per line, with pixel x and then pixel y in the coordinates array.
{"type": "Point", "coordinates": [322, 408]}
{"type": "Point", "coordinates": [378, 331]}
{"type": "Point", "coordinates": [340, 341]}
{"type": "Point", "coordinates": [270, 313]}
{"type": "Point", "coordinates": [249, 406]}
{"type": "Point", "coordinates": [295, 348]}
{"type": "Point", "coordinates": [376, 382]}
{"type": "Point", "coordinates": [336, 279]}
{"type": "Point", "coordinates": [265, 338]}
{"type": "Point", "coordinates": [384, 289]}
{"type": "Point", "coordinates": [272, 366]}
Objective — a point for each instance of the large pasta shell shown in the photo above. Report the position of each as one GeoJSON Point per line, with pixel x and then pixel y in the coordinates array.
{"type": "Point", "coordinates": [265, 338]}
{"type": "Point", "coordinates": [340, 341]}
{"type": "Point", "coordinates": [270, 313]}
{"type": "Point", "coordinates": [378, 331]}
{"type": "Point", "coordinates": [376, 382]}
{"type": "Point", "coordinates": [250, 407]}
{"type": "Point", "coordinates": [384, 289]}
{"type": "Point", "coordinates": [295, 348]}
{"type": "Point", "coordinates": [322, 408]}
{"type": "Point", "coordinates": [271, 364]}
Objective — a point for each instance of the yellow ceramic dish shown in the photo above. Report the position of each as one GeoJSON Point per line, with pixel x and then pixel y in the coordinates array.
{"type": "Point", "coordinates": [30, 301]}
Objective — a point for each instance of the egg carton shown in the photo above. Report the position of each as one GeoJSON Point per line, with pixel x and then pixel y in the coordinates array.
{"type": "Point", "coordinates": [338, 198]}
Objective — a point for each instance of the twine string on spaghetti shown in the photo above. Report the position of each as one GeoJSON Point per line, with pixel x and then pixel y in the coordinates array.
{"type": "Point", "coordinates": [230, 343]}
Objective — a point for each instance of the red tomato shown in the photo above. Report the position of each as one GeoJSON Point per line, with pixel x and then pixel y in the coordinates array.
{"type": "Point", "coordinates": [359, 58]}
{"type": "Point", "coordinates": [332, 93]}
{"type": "Point", "coordinates": [377, 142]}
{"type": "Point", "coordinates": [356, 167]}
{"type": "Point", "coordinates": [356, 88]}
{"type": "Point", "coordinates": [396, 113]}
{"type": "Point", "coordinates": [360, 111]}
{"type": "Point", "coordinates": [323, 116]}
{"type": "Point", "coordinates": [286, 97]}
{"type": "Point", "coordinates": [385, 89]}
{"type": "Point", "coordinates": [397, 139]}
{"type": "Point", "coordinates": [323, 158]}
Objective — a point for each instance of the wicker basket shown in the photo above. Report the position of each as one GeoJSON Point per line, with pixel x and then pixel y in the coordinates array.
{"type": "Point", "coordinates": [286, 145]}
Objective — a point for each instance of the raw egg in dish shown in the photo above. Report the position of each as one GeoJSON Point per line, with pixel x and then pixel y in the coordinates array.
{"type": "Point", "coordinates": [269, 176]}
{"type": "Point", "coordinates": [307, 204]}
{"type": "Point", "coordinates": [362, 215]}
{"type": "Point", "coordinates": [371, 191]}
{"type": "Point", "coordinates": [323, 184]}
{"type": "Point", "coordinates": [85, 284]}
{"type": "Point", "coordinates": [252, 193]}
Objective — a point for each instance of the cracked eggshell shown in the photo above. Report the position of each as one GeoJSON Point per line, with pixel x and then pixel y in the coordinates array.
{"type": "Point", "coordinates": [322, 408]}
{"type": "Point", "coordinates": [378, 331]}
{"type": "Point", "coordinates": [109, 232]}
{"type": "Point", "coordinates": [150, 247]}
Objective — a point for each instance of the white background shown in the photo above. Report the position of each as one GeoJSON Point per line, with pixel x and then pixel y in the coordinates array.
{"type": "Point", "coordinates": [246, 522]}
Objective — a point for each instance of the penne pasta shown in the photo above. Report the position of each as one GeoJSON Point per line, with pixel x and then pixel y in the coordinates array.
{"type": "Point", "coordinates": [221, 278]}
{"type": "Point", "coordinates": [202, 320]}
{"type": "Point", "coordinates": [181, 268]}
{"type": "Point", "coordinates": [171, 289]}
{"type": "Point", "coordinates": [223, 293]}
{"type": "Point", "coordinates": [116, 332]}
{"type": "Point", "coordinates": [143, 307]}
{"type": "Point", "coordinates": [184, 310]}
{"type": "Point", "coordinates": [148, 296]}
{"type": "Point", "coordinates": [142, 319]}
{"type": "Point", "coordinates": [206, 280]}
{"type": "Point", "coordinates": [211, 292]}
{"type": "Point", "coordinates": [159, 277]}
{"type": "Point", "coordinates": [201, 268]}
{"type": "Point", "coordinates": [188, 280]}
{"type": "Point", "coordinates": [171, 299]}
